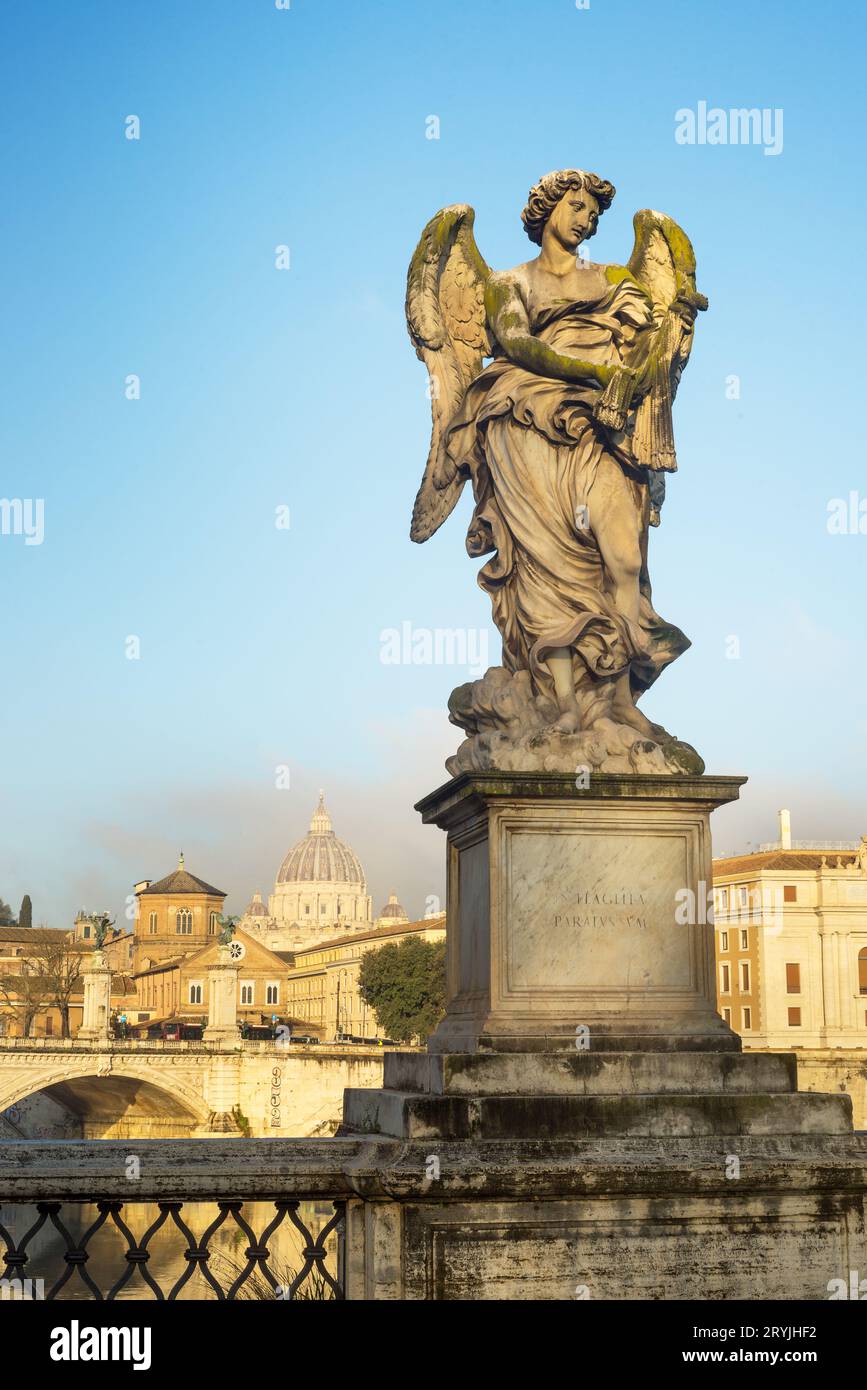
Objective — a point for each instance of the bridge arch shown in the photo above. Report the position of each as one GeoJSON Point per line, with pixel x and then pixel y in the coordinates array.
{"type": "Point", "coordinates": [105, 1088]}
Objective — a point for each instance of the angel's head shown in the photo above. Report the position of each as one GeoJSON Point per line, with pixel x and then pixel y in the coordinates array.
{"type": "Point", "coordinates": [571, 201]}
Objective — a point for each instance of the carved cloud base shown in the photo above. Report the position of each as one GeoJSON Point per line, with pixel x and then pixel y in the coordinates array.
{"type": "Point", "coordinates": [509, 729]}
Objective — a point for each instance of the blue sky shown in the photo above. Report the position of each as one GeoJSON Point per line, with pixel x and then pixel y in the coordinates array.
{"type": "Point", "coordinates": [263, 388]}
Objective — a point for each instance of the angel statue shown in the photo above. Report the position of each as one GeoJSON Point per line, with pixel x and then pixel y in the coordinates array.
{"type": "Point", "coordinates": [566, 436]}
{"type": "Point", "coordinates": [102, 923]}
{"type": "Point", "coordinates": [227, 929]}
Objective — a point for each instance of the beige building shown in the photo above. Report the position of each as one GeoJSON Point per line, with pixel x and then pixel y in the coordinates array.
{"type": "Point", "coordinates": [791, 944]}
{"type": "Point", "coordinates": [322, 984]}
{"type": "Point", "coordinates": [176, 916]}
{"type": "Point", "coordinates": [180, 989]}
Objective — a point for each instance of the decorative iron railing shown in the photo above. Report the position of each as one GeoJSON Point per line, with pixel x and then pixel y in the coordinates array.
{"type": "Point", "coordinates": [59, 1269]}
{"type": "Point", "coordinates": [178, 1219]}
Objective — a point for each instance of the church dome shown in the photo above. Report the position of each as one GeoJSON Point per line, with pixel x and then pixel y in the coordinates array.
{"type": "Point", "coordinates": [320, 857]}
{"type": "Point", "coordinates": [256, 908]}
{"type": "Point", "coordinates": [393, 910]}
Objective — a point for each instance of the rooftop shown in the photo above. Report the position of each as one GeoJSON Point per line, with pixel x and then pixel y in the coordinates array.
{"type": "Point", "coordinates": [181, 881]}
{"type": "Point", "coordinates": [792, 860]}
{"type": "Point", "coordinates": [375, 935]}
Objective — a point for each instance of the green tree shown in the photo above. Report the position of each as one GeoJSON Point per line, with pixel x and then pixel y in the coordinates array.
{"type": "Point", "coordinates": [25, 916]}
{"type": "Point", "coordinates": [405, 986]}
{"type": "Point", "coordinates": [7, 916]}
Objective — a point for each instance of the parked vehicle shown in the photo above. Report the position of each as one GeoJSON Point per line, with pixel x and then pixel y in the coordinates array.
{"type": "Point", "coordinates": [253, 1032]}
{"type": "Point", "coordinates": [173, 1031]}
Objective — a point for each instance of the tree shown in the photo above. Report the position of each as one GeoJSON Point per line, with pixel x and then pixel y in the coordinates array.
{"type": "Point", "coordinates": [7, 916]}
{"type": "Point", "coordinates": [25, 916]}
{"type": "Point", "coordinates": [405, 986]}
{"type": "Point", "coordinates": [23, 996]}
{"type": "Point", "coordinates": [48, 977]}
{"type": "Point", "coordinates": [57, 963]}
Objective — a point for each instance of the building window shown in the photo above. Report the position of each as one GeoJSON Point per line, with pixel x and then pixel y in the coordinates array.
{"type": "Point", "coordinates": [212, 923]}
{"type": "Point", "coordinates": [322, 909]}
{"type": "Point", "coordinates": [307, 910]}
{"type": "Point", "coordinates": [747, 1015]}
{"type": "Point", "coordinates": [247, 993]}
{"type": "Point", "coordinates": [272, 994]}
{"type": "Point", "coordinates": [723, 900]}
{"type": "Point", "coordinates": [49, 1026]}
{"type": "Point", "coordinates": [790, 893]}
{"type": "Point", "coordinates": [184, 922]}
{"type": "Point", "coordinates": [745, 977]}
{"type": "Point", "coordinates": [87, 933]}
{"type": "Point", "coordinates": [727, 1016]}
{"type": "Point", "coordinates": [152, 924]}
{"type": "Point", "coordinates": [723, 940]}
{"type": "Point", "coordinates": [794, 1018]}
{"type": "Point", "coordinates": [862, 970]}
{"type": "Point", "coordinates": [742, 897]}
{"type": "Point", "coordinates": [793, 979]}
{"type": "Point", "coordinates": [725, 981]}
{"type": "Point", "coordinates": [195, 994]}
{"type": "Point", "coordinates": [745, 939]}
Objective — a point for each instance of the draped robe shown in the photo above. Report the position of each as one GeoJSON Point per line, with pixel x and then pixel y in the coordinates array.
{"type": "Point", "coordinates": [541, 467]}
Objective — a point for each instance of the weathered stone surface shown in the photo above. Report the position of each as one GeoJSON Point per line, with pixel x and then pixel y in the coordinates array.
{"type": "Point", "coordinates": [588, 1073]}
{"type": "Point", "coordinates": [560, 1117]}
{"type": "Point", "coordinates": [595, 1218]}
{"type": "Point", "coordinates": [655, 1159]}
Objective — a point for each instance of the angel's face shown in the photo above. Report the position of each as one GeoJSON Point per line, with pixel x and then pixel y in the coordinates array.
{"type": "Point", "coordinates": [574, 218]}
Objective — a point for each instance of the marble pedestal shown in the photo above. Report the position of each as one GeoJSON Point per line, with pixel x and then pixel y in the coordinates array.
{"type": "Point", "coordinates": [96, 1010]}
{"type": "Point", "coordinates": [222, 1023]}
{"type": "Point", "coordinates": [563, 908]}
{"type": "Point", "coordinates": [583, 1118]}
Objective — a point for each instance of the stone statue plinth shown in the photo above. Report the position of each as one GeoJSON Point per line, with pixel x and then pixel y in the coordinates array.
{"type": "Point", "coordinates": [563, 907]}
{"type": "Point", "coordinates": [222, 1023]}
{"type": "Point", "coordinates": [96, 1010]}
{"type": "Point", "coordinates": [584, 1124]}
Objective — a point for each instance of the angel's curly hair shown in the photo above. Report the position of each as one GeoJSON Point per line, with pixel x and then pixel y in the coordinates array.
{"type": "Point", "coordinates": [546, 194]}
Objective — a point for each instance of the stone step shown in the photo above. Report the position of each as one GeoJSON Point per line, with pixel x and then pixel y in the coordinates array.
{"type": "Point", "coordinates": [431, 1117]}
{"type": "Point", "coordinates": [590, 1073]}
{"type": "Point", "coordinates": [564, 1041]}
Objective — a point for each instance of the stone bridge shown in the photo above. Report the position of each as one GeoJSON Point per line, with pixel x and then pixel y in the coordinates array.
{"type": "Point", "coordinates": [67, 1089]}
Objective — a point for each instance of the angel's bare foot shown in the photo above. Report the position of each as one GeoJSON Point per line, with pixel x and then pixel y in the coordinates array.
{"type": "Point", "coordinates": [570, 715]}
{"type": "Point", "coordinates": [623, 711]}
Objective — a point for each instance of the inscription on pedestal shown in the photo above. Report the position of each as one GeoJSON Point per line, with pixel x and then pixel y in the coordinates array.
{"type": "Point", "coordinates": [606, 908]}
{"type": "Point", "coordinates": [591, 909]}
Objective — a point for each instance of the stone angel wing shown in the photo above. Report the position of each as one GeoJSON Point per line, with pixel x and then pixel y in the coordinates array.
{"type": "Point", "coordinates": [445, 315]}
{"type": "Point", "coordinates": [663, 263]}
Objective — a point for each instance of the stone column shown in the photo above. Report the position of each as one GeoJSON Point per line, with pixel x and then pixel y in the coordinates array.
{"type": "Point", "coordinates": [97, 999]}
{"type": "Point", "coordinates": [223, 1000]}
{"type": "Point", "coordinates": [223, 1085]}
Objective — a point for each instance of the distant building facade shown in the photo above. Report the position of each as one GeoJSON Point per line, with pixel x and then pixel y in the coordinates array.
{"type": "Point", "coordinates": [180, 989]}
{"type": "Point", "coordinates": [791, 944]}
